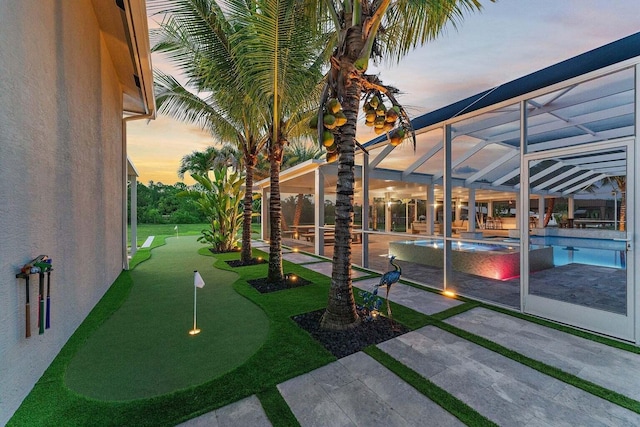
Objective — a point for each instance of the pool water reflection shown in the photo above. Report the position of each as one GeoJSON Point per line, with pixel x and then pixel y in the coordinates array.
{"type": "Point", "coordinates": [600, 252]}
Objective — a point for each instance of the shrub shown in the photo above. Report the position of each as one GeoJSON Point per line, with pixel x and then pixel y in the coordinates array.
{"type": "Point", "coordinates": [220, 200]}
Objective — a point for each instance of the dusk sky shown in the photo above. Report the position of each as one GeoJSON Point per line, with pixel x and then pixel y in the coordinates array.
{"type": "Point", "coordinates": [506, 40]}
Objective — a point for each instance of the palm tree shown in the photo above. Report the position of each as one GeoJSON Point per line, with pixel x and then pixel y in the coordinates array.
{"type": "Point", "coordinates": [282, 65]}
{"type": "Point", "coordinates": [366, 29]}
{"type": "Point", "coordinates": [195, 36]}
{"type": "Point", "coordinates": [621, 183]}
{"type": "Point", "coordinates": [201, 162]}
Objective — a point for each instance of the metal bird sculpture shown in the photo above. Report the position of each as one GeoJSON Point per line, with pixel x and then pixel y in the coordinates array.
{"type": "Point", "coordinates": [388, 279]}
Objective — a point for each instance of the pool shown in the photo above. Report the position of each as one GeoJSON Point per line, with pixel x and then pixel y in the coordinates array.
{"type": "Point", "coordinates": [600, 252]}
{"type": "Point", "coordinates": [462, 246]}
{"type": "Point", "coordinates": [481, 259]}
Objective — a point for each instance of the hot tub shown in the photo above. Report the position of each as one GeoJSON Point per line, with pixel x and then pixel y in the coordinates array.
{"type": "Point", "coordinates": [481, 259]}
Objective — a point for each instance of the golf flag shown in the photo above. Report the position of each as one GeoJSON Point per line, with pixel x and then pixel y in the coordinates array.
{"type": "Point", "coordinates": [175, 228]}
{"type": "Point", "coordinates": [197, 280]}
{"type": "Point", "coordinates": [197, 283]}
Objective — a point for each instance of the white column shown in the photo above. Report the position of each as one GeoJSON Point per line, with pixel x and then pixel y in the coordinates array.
{"type": "Point", "coordinates": [571, 207]}
{"type": "Point", "coordinates": [431, 208]}
{"type": "Point", "coordinates": [406, 215]}
{"type": "Point", "coordinates": [541, 211]}
{"type": "Point", "coordinates": [387, 213]}
{"type": "Point", "coordinates": [446, 207]}
{"type": "Point", "coordinates": [472, 209]}
{"type": "Point", "coordinates": [133, 213]}
{"type": "Point", "coordinates": [519, 213]}
{"type": "Point", "coordinates": [633, 208]}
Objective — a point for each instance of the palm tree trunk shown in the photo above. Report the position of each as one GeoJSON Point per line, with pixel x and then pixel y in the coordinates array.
{"type": "Point", "coordinates": [341, 309]}
{"type": "Point", "coordinates": [549, 212]}
{"type": "Point", "coordinates": [245, 254]}
{"type": "Point", "coordinates": [298, 212]}
{"type": "Point", "coordinates": [275, 274]}
{"type": "Point", "coordinates": [621, 182]}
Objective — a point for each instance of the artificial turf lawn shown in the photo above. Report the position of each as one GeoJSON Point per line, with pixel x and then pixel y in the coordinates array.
{"type": "Point", "coordinates": [150, 352]}
{"type": "Point", "coordinates": [287, 352]}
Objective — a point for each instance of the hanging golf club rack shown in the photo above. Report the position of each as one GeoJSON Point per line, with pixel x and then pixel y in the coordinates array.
{"type": "Point", "coordinates": [40, 265]}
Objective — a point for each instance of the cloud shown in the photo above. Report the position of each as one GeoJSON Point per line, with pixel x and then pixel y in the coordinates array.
{"type": "Point", "coordinates": [507, 40]}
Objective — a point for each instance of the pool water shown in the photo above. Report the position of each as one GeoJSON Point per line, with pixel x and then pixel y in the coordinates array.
{"type": "Point", "coordinates": [601, 252]}
{"type": "Point", "coordinates": [462, 246]}
{"type": "Point", "coordinates": [566, 250]}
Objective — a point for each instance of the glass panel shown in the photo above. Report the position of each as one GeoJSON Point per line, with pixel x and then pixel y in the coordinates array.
{"type": "Point", "coordinates": [592, 111]}
{"type": "Point", "coordinates": [433, 166]}
{"type": "Point", "coordinates": [487, 269]}
{"type": "Point", "coordinates": [297, 209]}
{"type": "Point", "coordinates": [485, 247]}
{"type": "Point", "coordinates": [329, 209]}
{"type": "Point", "coordinates": [583, 229]}
{"type": "Point", "coordinates": [413, 254]}
{"type": "Point", "coordinates": [403, 156]}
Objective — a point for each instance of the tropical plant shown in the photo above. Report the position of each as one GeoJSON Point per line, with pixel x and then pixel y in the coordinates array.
{"type": "Point", "coordinates": [281, 63]}
{"type": "Point", "coordinates": [365, 30]}
{"type": "Point", "coordinates": [220, 200]}
{"type": "Point", "coordinates": [195, 36]}
{"type": "Point", "coordinates": [201, 162]}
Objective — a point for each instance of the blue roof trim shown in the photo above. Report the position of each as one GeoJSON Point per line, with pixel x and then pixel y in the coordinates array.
{"type": "Point", "coordinates": [604, 56]}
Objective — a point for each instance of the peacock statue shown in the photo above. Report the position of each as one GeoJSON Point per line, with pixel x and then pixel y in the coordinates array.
{"type": "Point", "coordinates": [388, 279]}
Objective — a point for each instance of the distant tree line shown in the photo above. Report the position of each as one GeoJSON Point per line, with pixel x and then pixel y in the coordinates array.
{"type": "Point", "coordinates": [160, 204]}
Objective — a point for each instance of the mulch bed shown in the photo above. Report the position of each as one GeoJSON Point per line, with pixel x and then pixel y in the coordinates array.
{"type": "Point", "coordinates": [213, 251]}
{"type": "Point", "coordinates": [291, 281]}
{"type": "Point", "coordinates": [344, 343]}
{"type": "Point", "coordinates": [238, 262]}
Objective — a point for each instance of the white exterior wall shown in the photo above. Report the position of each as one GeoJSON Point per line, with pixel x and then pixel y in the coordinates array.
{"type": "Point", "coordinates": [61, 176]}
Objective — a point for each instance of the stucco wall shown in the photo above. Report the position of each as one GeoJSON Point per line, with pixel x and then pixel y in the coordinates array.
{"type": "Point", "coordinates": [60, 178]}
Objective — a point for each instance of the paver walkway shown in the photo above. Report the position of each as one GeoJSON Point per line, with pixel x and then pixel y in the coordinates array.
{"type": "Point", "coordinates": [147, 243]}
{"type": "Point", "coordinates": [357, 390]}
{"type": "Point", "coordinates": [501, 389]}
{"type": "Point", "coordinates": [609, 367]}
{"type": "Point", "coordinates": [245, 412]}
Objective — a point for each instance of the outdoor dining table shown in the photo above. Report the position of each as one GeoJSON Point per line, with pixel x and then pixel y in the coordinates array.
{"type": "Point", "coordinates": [299, 230]}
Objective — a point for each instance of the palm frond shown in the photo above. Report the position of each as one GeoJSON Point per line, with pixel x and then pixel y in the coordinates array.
{"type": "Point", "coordinates": [280, 54]}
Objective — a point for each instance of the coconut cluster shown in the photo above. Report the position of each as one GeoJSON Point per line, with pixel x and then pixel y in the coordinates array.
{"type": "Point", "coordinates": [383, 119]}
{"type": "Point", "coordinates": [333, 117]}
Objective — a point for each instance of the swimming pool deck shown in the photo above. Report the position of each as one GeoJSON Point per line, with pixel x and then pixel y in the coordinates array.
{"type": "Point", "coordinates": [601, 287]}
{"type": "Point", "coordinates": [357, 390]}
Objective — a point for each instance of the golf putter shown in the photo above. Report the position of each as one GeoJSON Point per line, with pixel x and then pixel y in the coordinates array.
{"type": "Point", "coordinates": [27, 311]}
{"type": "Point", "coordinates": [41, 303]}
{"type": "Point", "coordinates": [48, 321]}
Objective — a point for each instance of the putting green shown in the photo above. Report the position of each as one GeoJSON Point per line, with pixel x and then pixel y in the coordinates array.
{"type": "Point", "coordinates": [144, 349]}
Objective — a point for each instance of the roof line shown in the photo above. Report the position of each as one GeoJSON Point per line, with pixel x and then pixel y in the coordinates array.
{"type": "Point", "coordinates": [601, 57]}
